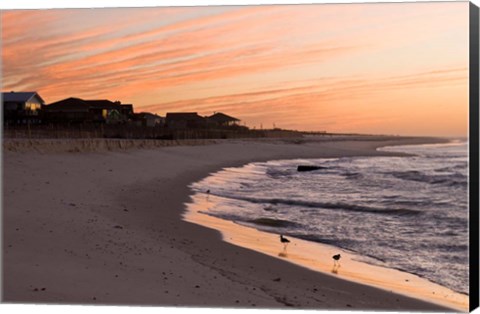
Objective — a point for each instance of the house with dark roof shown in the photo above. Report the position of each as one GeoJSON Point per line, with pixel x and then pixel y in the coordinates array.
{"type": "Point", "coordinates": [148, 119]}
{"type": "Point", "coordinates": [184, 120]}
{"type": "Point", "coordinates": [76, 110]}
{"type": "Point", "coordinates": [106, 111]}
{"type": "Point", "coordinates": [69, 110]}
{"type": "Point", "coordinates": [22, 107]}
{"type": "Point", "coordinates": [221, 119]}
{"type": "Point", "coordinates": [127, 111]}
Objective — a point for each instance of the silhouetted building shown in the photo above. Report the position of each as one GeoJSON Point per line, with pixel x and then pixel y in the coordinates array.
{"type": "Point", "coordinates": [148, 119]}
{"type": "Point", "coordinates": [221, 119]}
{"type": "Point", "coordinates": [127, 111]}
{"type": "Point", "coordinates": [22, 108]}
{"type": "Point", "coordinates": [106, 111]}
{"type": "Point", "coordinates": [76, 110]}
{"type": "Point", "coordinates": [70, 110]}
{"type": "Point", "coordinates": [184, 120]}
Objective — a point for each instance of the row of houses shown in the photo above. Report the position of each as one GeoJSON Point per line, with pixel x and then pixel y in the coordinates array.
{"type": "Point", "coordinates": [29, 108]}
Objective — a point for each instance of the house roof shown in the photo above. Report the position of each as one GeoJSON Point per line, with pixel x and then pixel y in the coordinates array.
{"type": "Point", "coordinates": [78, 104]}
{"type": "Point", "coordinates": [20, 96]}
{"type": "Point", "coordinates": [68, 104]}
{"type": "Point", "coordinates": [103, 104]}
{"type": "Point", "coordinates": [148, 115]}
{"type": "Point", "coordinates": [221, 118]}
{"type": "Point", "coordinates": [182, 116]}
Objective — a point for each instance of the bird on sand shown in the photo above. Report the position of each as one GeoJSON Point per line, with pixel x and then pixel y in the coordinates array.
{"type": "Point", "coordinates": [285, 241]}
{"type": "Point", "coordinates": [336, 258]}
{"type": "Point", "coordinates": [208, 191]}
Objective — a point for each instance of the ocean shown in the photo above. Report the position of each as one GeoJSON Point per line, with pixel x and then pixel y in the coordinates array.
{"type": "Point", "coordinates": [408, 213]}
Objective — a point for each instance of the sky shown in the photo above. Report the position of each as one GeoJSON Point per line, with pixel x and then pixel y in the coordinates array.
{"type": "Point", "coordinates": [386, 68]}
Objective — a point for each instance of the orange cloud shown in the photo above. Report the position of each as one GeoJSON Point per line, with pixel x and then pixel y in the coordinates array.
{"type": "Point", "coordinates": [262, 63]}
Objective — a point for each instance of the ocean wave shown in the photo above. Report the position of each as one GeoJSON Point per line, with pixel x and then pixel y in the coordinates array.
{"type": "Point", "coordinates": [455, 179]}
{"type": "Point", "coordinates": [325, 205]}
{"type": "Point", "coordinates": [270, 222]}
{"type": "Point", "coordinates": [353, 175]}
{"type": "Point", "coordinates": [275, 173]}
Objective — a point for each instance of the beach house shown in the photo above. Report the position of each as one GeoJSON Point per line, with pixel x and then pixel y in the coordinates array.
{"type": "Point", "coordinates": [106, 111]}
{"type": "Point", "coordinates": [184, 120]}
{"type": "Point", "coordinates": [148, 119]}
{"type": "Point", "coordinates": [76, 110]}
{"type": "Point", "coordinates": [127, 111]}
{"type": "Point", "coordinates": [222, 120]}
{"type": "Point", "coordinates": [22, 108]}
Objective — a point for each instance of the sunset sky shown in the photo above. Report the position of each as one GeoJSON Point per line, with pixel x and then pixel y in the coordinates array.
{"type": "Point", "coordinates": [398, 68]}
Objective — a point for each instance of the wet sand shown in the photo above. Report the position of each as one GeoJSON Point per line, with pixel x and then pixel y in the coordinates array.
{"type": "Point", "coordinates": [318, 257]}
{"type": "Point", "coordinates": [106, 228]}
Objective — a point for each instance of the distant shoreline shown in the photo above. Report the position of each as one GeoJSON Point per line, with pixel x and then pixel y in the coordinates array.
{"type": "Point", "coordinates": [76, 145]}
{"type": "Point", "coordinates": [102, 224]}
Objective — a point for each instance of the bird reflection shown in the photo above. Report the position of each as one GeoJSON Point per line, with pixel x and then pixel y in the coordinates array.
{"type": "Point", "coordinates": [283, 254]}
{"type": "Point", "coordinates": [335, 269]}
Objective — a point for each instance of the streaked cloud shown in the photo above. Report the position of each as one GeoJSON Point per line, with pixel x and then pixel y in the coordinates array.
{"type": "Point", "coordinates": [299, 66]}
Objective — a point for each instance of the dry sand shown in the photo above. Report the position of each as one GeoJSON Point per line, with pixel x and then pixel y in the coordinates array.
{"type": "Point", "coordinates": [105, 228]}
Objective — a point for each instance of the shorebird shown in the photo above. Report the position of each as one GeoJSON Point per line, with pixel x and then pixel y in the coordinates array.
{"type": "Point", "coordinates": [208, 191]}
{"type": "Point", "coordinates": [285, 241]}
{"type": "Point", "coordinates": [336, 259]}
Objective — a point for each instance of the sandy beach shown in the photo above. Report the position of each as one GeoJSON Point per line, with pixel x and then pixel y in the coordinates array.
{"type": "Point", "coordinates": [102, 224]}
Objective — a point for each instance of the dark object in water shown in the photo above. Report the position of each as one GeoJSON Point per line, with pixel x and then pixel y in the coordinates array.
{"type": "Point", "coordinates": [272, 222]}
{"type": "Point", "coordinates": [309, 168]}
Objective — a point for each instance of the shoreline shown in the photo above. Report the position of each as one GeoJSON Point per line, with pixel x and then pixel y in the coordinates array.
{"type": "Point", "coordinates": [129, 231]}
{"type": "Point", "coordinates": [309, 254]}
{"type": "Point", "coordinates": [353, 267]}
